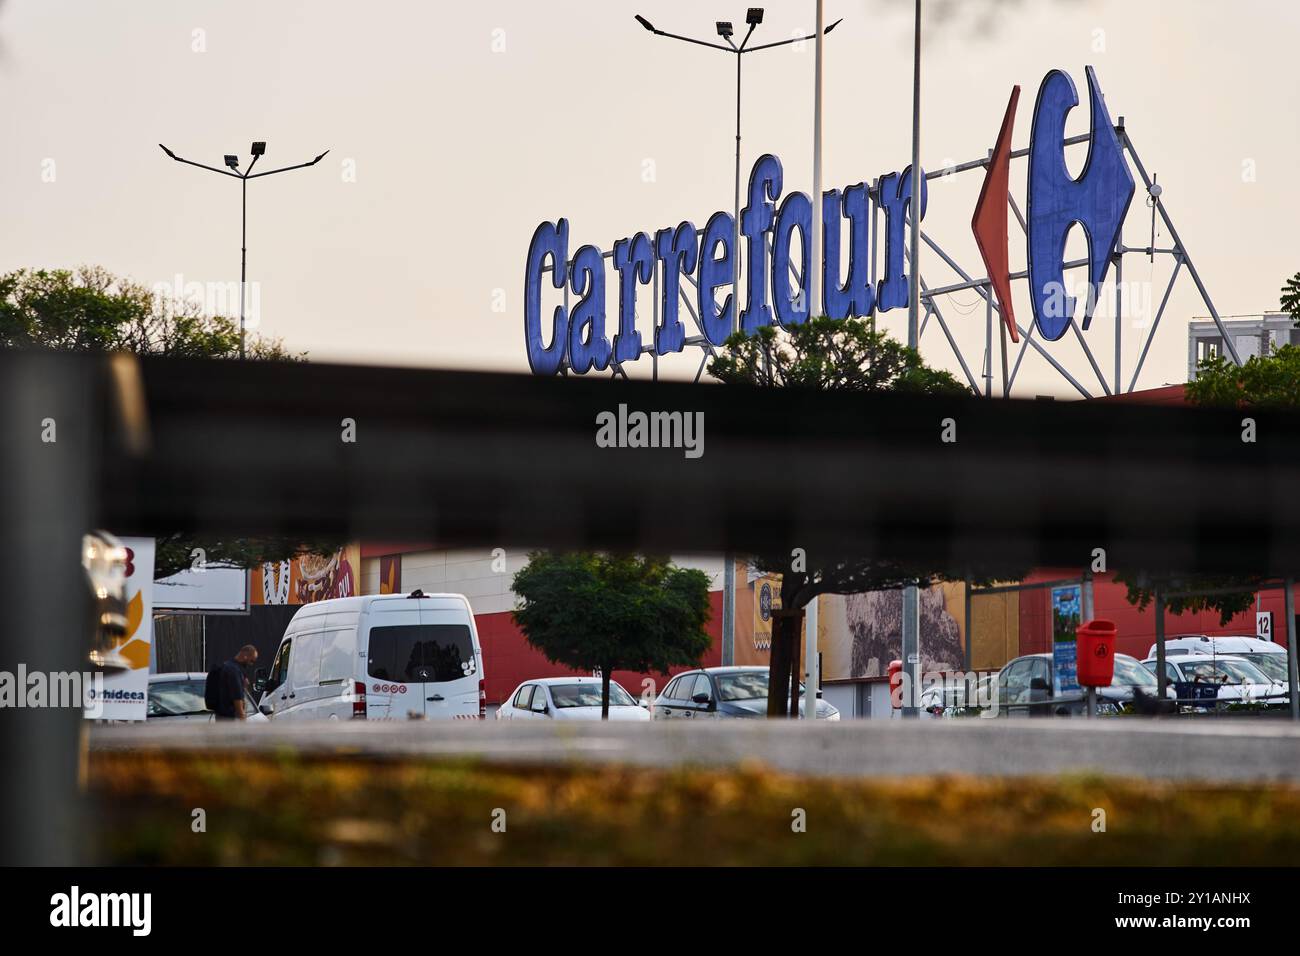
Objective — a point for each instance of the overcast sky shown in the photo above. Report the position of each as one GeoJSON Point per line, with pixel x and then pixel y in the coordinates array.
{"type": "Point", "coordinates": [455, 128]}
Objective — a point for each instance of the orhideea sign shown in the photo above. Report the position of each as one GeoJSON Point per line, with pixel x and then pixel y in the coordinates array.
{"type": "Point", "coordinates": [1097, 200]}
{"type": "Point", "coordinates": [125, 693]}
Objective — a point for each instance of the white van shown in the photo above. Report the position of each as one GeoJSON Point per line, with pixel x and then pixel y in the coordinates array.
{"type": "Point", "coordinates": [379, 657]}
{"type": "Point", "coordinates": [1218, 644]}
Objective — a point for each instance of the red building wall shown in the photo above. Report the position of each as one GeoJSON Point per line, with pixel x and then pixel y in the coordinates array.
{"type": "Point", "coordinates": [509, 660]}
{"type": "Point", "coordinates": [1137, 629]}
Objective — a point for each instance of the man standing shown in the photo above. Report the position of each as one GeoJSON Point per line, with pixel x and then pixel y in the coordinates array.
{"type": "Point", "coordinates": [225, 690]}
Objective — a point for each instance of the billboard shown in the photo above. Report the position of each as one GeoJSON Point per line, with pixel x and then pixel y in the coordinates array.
{"type": "Point", "coordinates": [203, 589]}
{"type": "Point", "coordinates": [308, 578]}
{"type": "Point", "coordinates": [859, 634]}
{"type": "Point", "coordinates": [125, 693]}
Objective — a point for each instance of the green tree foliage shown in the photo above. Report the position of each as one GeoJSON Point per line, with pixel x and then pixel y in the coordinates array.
{"type": "Point", "coordinates": [612, 612]}
{"type": "Point", "coordinates": [1187, 589]}
{"type": "Point", "coordinates": [838, 355]}
{"type": "Point", "coordinates": [842, 355]}
{"type": "Point", "coordinates": [92, 310]}
{"type": "Point", "coordinates": [1269, 381]}
{"type": "Point", "coordinates": [1291, 298]}
{"type": "Point", "coordinates": [183, 552]}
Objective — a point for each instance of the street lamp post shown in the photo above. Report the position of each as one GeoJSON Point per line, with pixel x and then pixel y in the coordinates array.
{"type": "Point", "coordinates": [753, 17]}
{"type": "Point", "coordinates": [258, 149]}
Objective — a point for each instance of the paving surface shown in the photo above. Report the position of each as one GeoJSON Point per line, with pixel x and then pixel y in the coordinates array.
{"type": "Point", "coordinates": [1212, 750]}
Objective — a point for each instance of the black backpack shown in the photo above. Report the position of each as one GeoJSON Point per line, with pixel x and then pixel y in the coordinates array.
{"type": "Point", "coordinates": [210, 688]}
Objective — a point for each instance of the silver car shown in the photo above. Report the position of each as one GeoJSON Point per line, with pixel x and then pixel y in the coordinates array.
{"type": "Point", "coordinates": [718, 692]}
{"type": "Point", "coordinates": [1025, 688]}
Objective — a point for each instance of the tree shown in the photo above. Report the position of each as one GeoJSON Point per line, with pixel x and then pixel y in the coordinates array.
{"type": "Point", "coordinates": [612, 612]}
{"type": "Point", "coordinates": [92, 310]}
{"type": "Point", "coordinates": [1267, 381]}
{"type": "Point", "coordinates": [178, 551]}
{"type": "Point", "coordinates": [843, 355]}
{"type": "Point", "coordinates": [1193, 592]}
{"type": "Point", "coordinates": [1291, 297]}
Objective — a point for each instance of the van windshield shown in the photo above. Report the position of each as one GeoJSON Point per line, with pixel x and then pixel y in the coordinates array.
{"type": "Point", "coordinates": [421, 653]}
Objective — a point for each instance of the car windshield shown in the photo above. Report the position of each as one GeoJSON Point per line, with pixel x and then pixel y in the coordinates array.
{"type": "Point", "coordinates": [1242, 672]}
{"type": "Point", "coordinates": [1272, 665]}
{"type": "Point", "coordinates": [176, 698]}
{"type": "Point", "coordinates": [1129, 673]}
{"type": "Point", "coordinates": [1224, 670]}
{"type": "Point", "coordinates": [588, 695]}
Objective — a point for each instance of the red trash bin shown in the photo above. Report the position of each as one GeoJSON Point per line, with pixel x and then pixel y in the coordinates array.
{"type": "Point", "coordinates": [1095, 654]}
{"type": "Point", "coordinates": [895, 672]}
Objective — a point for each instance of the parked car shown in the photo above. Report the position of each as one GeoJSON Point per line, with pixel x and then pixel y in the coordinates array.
{"type": "Point", "coordinates": [949, 700]}
{"type": "Point", "coordinates": [383, 656]}
{"type": "Point", "coordinates": [1236, 679]}
{"type": "Point", "coordinates": [1218, 644]}
{"type": "Point", "coordinates": [1025, 687]}
{"type": "Point", "coordinates": [1267, 656]}
{"type": "Point", "coordinates": [569, 698]}
{"type": "Point", "coordinates": [715, 692]}
{"type": "Point", "coordinates": [179, 696]}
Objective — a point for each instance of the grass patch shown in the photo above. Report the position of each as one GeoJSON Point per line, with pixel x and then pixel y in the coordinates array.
{"type": "Point", "coordinates": [294, 810]}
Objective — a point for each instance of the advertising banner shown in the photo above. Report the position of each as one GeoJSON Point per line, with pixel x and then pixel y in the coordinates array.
{"type": "Point", "coordinates": [767, 598]}
{"type": "Point", "coordinates": [1067, 605]}
{"type": "Point", "coordinates": [126, 693]}
{"type": "Point", "coordinates": [308, 578]}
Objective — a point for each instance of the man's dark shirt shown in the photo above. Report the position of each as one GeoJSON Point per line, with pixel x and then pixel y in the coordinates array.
{"type": "Point", "coordinates": [230, 688]}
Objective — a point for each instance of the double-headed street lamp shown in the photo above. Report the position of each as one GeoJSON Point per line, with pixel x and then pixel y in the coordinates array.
{"type": "Point", "coordinates": [258, 149]}
{"type": "Point", "coordinates": [753, 17]}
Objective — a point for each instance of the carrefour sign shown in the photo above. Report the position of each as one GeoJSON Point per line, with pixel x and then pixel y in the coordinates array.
{"type": "Point", "coordinates": [582, 336]}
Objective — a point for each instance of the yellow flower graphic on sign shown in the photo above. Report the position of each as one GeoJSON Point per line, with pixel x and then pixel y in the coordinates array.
{"type": "Point", "coordinates": [130, 645]}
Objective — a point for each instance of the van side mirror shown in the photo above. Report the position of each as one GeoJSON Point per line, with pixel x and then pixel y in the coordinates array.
{"type": "Point", "coordinates": [259, 680]}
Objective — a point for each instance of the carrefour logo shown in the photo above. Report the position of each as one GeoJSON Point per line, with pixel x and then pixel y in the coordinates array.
{"type": "Point", "coordinates": [697, 266]}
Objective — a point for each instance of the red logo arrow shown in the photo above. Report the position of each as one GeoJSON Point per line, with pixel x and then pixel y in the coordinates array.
{"type": "Point", "coordinates": [989, 224]}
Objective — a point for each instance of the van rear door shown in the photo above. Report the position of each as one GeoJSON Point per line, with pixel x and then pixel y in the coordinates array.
{"type": "Point", "coordinates": [452, 661]}
{"type": "Point", "coordinates": [393, 688]}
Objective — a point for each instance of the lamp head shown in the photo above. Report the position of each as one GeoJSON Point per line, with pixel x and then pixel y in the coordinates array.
{"type": "Point", "coordinates": [725, 28]}
{"type": "Point", "coordinates": [754, 16]}
{"type": "Point", "coordinates": [259, 149]}
{"type": "Point", "coordinates": [644, 22]}
{"type": "Point", "coordinates": [232, 162]}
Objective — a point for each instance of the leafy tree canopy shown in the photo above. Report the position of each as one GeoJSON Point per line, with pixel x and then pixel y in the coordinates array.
{"type": "Point", "coordinates": [1269, 381]}
{"type": "Point", "coordinates": [611, 612]}
{"type": "Point", "coordinates": [844, 355]}
{"type": "Point", "coordinates": [834, 355]}
{"type": "Point", "coordinates": [92, 310]}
